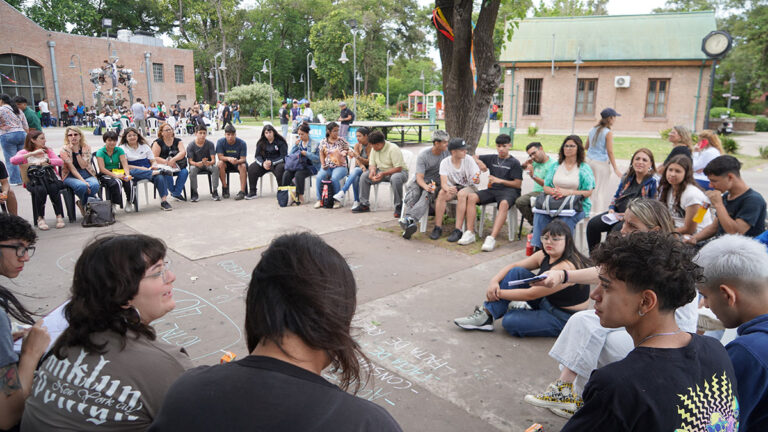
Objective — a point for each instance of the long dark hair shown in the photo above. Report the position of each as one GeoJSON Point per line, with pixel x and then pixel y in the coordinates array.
{"type": "Point", "coordinates": [8, 101]}
{"type": "Point", "coordinates": [631, 171]}
{"type": "Point", "coordinates": [15, 228]}
{"type": "Point", "coordinates": [305, 287]}
{"type": "Point", "coordinates": [329, 127]}
{"type": "Point", "coordinates": [261, 144]}
{"type": "Point", "coordinates": [107, 275]}
{"type": "Point", "coordinates": [685, 163]}
{"type": "Point", "coordinates": [124, 138]}
{"type": "Point", "coordinates": [570, 253]}
{"type": "Point", "coordinates": [31, 136]}
{"type": "Point", "coordinates": [579, 151]}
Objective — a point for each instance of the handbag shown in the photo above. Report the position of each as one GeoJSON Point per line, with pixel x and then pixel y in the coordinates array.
{"type": "Point", "coordinates": [42, 174]}
{"type": "Point", "coordinates": [295, 162]}
{"type": "Point", "coordinates": [98, 214]}
{"type": "Point", "coordinates": [566, 206]}
{"type": "Point", "coordinates": [285, 194]}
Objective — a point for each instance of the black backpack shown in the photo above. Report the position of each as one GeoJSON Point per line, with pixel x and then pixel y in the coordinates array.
{"type": "Point", "coordinates": [326, 195]}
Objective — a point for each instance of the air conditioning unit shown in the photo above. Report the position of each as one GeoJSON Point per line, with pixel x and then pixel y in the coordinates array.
{"type": "Point", "coordinates": [621, 81]}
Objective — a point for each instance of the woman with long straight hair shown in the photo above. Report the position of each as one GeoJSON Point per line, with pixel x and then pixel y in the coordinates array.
{"type": "Point", "coordinates": [13, 130]}
{"type": "Point", "coordinates": [600, 157]}
{"type": "Point", "coordinates": [77, 171]}
{"type": "Point", "coordinates": [271, 150]}
{"type": "Point", "coordinates": [141, 162]}
{"type": "Point", "coordinates": [333, 160]}
{"type": "Point", "coordinates": [682, 195]}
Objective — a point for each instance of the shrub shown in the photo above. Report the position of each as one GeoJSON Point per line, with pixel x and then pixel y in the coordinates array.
{"type": "Point", "coordinates": [532, 129]}
{"type": "Point", "coordinates": [730, 145]}
{"type": "Point", "coordinates": [367, 109]}
{"type": "Point", "coordinates": [763, 152]}
{"type": "Point", "coordinates": [254, 97]}
{"type": "Point", "coordinates": [716, 112]}
{"type": "Point", "coordinates": [762, 124]}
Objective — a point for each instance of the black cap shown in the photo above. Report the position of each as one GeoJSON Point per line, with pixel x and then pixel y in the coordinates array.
{"type": "Point", "coordinates": [457, 144]}
{"type": "Point", "coordinates": [609, 112]}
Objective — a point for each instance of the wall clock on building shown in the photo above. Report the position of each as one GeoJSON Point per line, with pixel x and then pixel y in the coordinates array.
{"type": "Point", "coordinates": [716, 44]}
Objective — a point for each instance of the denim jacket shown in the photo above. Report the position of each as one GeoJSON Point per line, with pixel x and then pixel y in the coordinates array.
{"type": "Point", "coordinates": [313, 154]}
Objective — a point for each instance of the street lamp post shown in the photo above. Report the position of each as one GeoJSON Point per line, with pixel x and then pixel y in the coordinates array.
{"type": "Point", "coordinates": [389, 63]}
{"type": "Point", "coordinates": [423, 94]}
{"type": "Point", "coordinates": [313, 66]}
{"type": "Point", "coordinates": [82, 89]}
{"type": "Point", "coordinates": [216, 70]}
{"type": "Point", "coordinates": [343, 59]}
{"type": "Point", "coordinates": [265, 70]}
{"type": "Point", "coordinates": [301, 80]}
{"type": "Point", "coordinates": [578, 62]}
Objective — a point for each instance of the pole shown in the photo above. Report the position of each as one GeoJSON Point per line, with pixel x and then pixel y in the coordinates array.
{"type": "Point", "coordinates": [80, 67]}
{"type": "Point", "coordinates": [517, 93]}
{"type": "Point", "coordinates": [387, 79]}
{"type": "Point", "coordinates": [576, 92]}
{"type": "Point", "coordinates": [709, 95]}
{"type": "Point", "coordinates": [730, 90]}
{"type": "Point", "coordinates": [308, 98]}
{"type": "Point", "coordinates": [51, 49]}
{"type": "Point", "coordinates": [147, 55]}
{"type": "Point", "coordinates": [354, 69]}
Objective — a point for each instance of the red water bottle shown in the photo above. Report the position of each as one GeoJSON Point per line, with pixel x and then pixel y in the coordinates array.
{"type": "Point", "coordinates": [529, 246]}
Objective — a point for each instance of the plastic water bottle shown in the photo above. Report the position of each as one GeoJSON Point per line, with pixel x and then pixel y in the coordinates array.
{"type": "Point", "coordinates": [699, 216]}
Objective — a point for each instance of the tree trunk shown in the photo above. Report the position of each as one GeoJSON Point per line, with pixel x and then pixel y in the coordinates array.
{"type": "Point", "coordinates": [466, 108]}
{"type": "Point", "coordinates": [223, 44]}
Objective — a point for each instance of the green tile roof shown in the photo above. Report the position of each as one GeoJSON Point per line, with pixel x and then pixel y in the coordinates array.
{"type": "Point", "coordinates": [666, 36]}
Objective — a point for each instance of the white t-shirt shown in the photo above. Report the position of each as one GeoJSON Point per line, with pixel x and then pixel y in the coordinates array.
{"type": "Point", "coordinates": [141, 152]}
{"type": "Point", "coordinates": [138, 111]}
{"type": "Point", "coordinates": [43, 107]}
{"type": "Point", "coordinates": [308, 114]}
{"type": "Point", "coordinates": [700, 161]}
{"type": "Point", "coordinates": [461, 176]}
{"type": "Point", "coordinates": [691, 195]}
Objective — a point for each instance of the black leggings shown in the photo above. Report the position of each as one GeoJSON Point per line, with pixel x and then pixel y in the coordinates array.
{"type": "Point", "coordinates": [255, 171]}
{"type": "Point", "coordinates": [39, 193]}
{"type": "Point", "coordinates": [113, 186]}
{"type": "Point", "coordinates": [301, 176]}
{"type": "Point", "coordinates": [596, 227]}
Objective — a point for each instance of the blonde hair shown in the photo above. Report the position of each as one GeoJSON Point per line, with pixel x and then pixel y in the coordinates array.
{"type": "Point", "coordinates": [160, 130]}
{"type": "Point", "coordinates": [712, 139]}
{"type": "Point", "coordinates": [685, 135]}
{"type": "Point", "coordinates": [652, 213]}
{"type": "Point", "coordinates": [76, 129]}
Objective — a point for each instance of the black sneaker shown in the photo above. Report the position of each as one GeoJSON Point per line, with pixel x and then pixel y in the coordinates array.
{"type": "Point", "coordinates": [250, 196]}
{"type": "Point", "coordinates": [240, 195]}
{"type": "Point", "coordinates": [455, 235]}
{"type": "Point", "coordinates": [398, 210]}
{"type": "Point", "coordinates": [215, 196]}
{"type": "Point", "coordinates": [193, 197]}
{"type": "Point", "coordinates": [178, 198]}
{"type": "Point", "coordinates": [409, 230]}
{"type": "Point", "coordinates": [436, 233]}
{"type": "Point", "coordinates": [165, 205]}
{"type": "Point", "coordinates": [225, 192]}
{"type": "Point", "coordinates": [404, 222]}
{"type": "Point", "coordinates": [362, 208]}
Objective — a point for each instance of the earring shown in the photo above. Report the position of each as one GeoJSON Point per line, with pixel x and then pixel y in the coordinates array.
{"type": "Point", "coordinates": [132, 318]}
{"type": "Point", "coordinates": [639, 312]}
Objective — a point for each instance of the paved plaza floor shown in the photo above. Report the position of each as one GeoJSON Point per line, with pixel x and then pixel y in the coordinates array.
{"type": "Point", "coordinates": [429, 374]}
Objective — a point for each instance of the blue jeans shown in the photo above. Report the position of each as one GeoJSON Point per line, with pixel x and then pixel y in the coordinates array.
{"type": "Point", "coordinates": [335, 174]}
{"type": "Point", "coordinates": [353, 181]}
{"type": "Point", "coordinates": [236, 117]}
{"type": "Point", "coordinates": [181, 180]}
{"type": "Point", "coordinates": [543, 320]}
{"type": "Point", "coordinates": [12, 142]}
{"type": "Point", "coordinates": [81, 188]}
{"type": "Point", "coordinates": [158, 180]}
{"type": "Point", "coordinates": [540, 221]}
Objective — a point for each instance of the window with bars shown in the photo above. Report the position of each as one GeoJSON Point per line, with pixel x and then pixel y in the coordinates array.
{"type": "Point", "coordinates": [532, 97]}
{"type": "Point", "coordinates": [585, 96]}
{"type": "Point", "coordinates": [656, 102]}
{"type": "Point", "coordinates": [178, 71]}
{"type": "Point", "coordinates": [157, 72]}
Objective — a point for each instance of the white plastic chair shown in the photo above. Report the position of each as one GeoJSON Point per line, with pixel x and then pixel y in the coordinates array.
{"type": "Point", "coordinates": [410, 163]}
{"type": "Point", "coordinates": [511, 220]}
{"type": "Point", "coordinates": [124, 124]}
{"type": "Point", "coordinates": [272, 182]}
{"type": "Point", "coordinates": [153, 125]}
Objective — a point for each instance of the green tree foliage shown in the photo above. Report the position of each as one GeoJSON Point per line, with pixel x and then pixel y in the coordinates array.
{"type": "Point", "coordinates": [571, 8]}
{"type": "Point", "coordinates": [84, 16]}
{"type": "Point", "coordinates": [254, 97]}
{"type": "Point", "coordinates": [404, 77]}
{"type": "Point", "coordinates": [368, 109]}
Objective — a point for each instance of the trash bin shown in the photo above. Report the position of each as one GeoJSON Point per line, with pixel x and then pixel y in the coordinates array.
{"type": "Point", "coordinates": [432, 117]}
{"type": "Point", "coordinates": [507, 128]}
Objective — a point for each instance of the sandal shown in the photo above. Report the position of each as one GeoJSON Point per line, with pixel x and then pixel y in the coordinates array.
{"type": "Point", "coordinates": [60, 222]}
{"type": "Point", "coordinates": [42, 225]}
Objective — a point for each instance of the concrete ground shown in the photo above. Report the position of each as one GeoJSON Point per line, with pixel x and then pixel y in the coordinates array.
{"type": "Point", "coordinates": [428, 373]}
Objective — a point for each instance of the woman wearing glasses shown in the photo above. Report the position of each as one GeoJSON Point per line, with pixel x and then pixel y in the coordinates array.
{"type": "Point", "coordinates": [535, 311]}
{"type": "Point", "coordinates": [77, 171]}
{"type": "Point", "coordinates": [108, 371]}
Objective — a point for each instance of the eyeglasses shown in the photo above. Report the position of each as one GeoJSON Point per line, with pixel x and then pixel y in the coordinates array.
{"type": "Point", "coordinates": [20, 250]}
{"type": "Point", "coordinates": [570, 146]}
{"type": "Point", "coordinates": [553, 239]}
{"type": "Point", "coordinates": [73, 134]}
{"type": "Point", "coordinates": [163, 273]}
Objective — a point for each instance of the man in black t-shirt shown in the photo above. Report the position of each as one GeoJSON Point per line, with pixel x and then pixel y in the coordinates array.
{"type": "Point", "coordinates": [285, 118]}
{"type": "Point", "coordinates": [346, 117]}
{"type": "Point", "coordinates": [739, 208]}
{"type": "Point", "coordinates": [201, 155]}
{"type": "Point", "coordinates": [7, 197]}
{"type": "Point", "coordinates": [226, 116]}
{"type": "Point", "coordinates": [504, 182]}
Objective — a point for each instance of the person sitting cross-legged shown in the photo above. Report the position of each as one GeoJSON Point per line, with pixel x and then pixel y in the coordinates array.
{"type": "Point", "coordinates": [333, 162]}
{"type": "Point", "coordinates": [232, 153]}
{"type": "Point", "coordinates": [503, 188]}
{"type": "Point", "coordinates": [534, 311]}
{"type": "Point", "coordinates": [385, 164]}
{"type": "Point", "coordinates": [423, 189]}
{"type": "Point", "coordinates": [359, 156]}
{"type": "Point", "coordinates": [735, 288]}
{"type": "Point", "coordinates": [201, 155]}
{"type": "Point", "coordinates": [458, 176]}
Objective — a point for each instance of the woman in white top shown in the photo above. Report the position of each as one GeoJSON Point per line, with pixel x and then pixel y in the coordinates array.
{"type": "Point", "coordinates": [600, 158]}
{"type": "Point", "coordinates": [682, 195]}
{"type": "Point", "coordinates": [709, 147]}
{"type": "Point", "coordinates": [141, 162]}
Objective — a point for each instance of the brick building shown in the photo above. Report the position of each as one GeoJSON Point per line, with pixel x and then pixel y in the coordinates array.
{"type": "Point", "coordinates": [650, 68]}
{"type": "Point", "coordinates": [48, 64]}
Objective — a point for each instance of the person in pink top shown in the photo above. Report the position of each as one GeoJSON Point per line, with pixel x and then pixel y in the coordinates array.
{"type": "Point", "coordinates": [42, 179]}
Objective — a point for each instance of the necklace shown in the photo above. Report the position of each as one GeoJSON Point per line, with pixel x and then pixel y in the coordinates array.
{"type": "Point", "coordinates": [659, 334]}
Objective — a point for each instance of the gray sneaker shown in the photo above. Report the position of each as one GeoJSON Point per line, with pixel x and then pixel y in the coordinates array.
{"type": "Point", "coordinates": [240, 195]}
{"type": "Point", "coordinates": [215, 196]}
{"type": "Point", "coordinates": [479, 320]}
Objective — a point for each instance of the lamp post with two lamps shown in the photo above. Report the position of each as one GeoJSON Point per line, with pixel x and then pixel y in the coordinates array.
{"type": "Point", "coordinates": [423, 94]}
{"type": "Point", "coordinates": [343, 59]}
{"type": "Point", "coordinates": [72, 66]}
{"type": "Point", "coordinates": [389, 63]}
{"type": "Point", "coordinates": [271, 92]}
{"type": "Point", "coordinates": [313, 66]}
{"type": "Point", "coordinates": [216, 70]}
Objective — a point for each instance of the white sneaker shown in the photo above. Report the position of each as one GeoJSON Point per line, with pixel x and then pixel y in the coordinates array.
{"type": "Point", "coordinates": [467, 238]}
{"type": "Point", "coordinates": [489, 244]}
{"type": "Point", "coordinates": [339, 196]}
{"type": "Point", "coordinates": [336, 204]}
{"type": "Point", "coordinates": [318, 204]}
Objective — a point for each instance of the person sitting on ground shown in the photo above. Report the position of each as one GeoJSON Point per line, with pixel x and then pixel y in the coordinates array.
{"type": "Point", "coordinates": [271, 150]}
{"type": "Point", "coordinates": [333, 160]}
{"type": "Point", "coordinates": [534, 311]}
{"type": "Point", "coordinates": [644, 278]}
{"type": "Point", "coordinates": [360, 156]}
{"type": "Point", "coordinates": [735, 288]}
{"type": "Point", "coordinates": [170, 151]}
{"type": "Point", "coordinates": [310, 150]}
{"type": "Point", "coordinates": [232, 153]}
{"type": "Point", "coordinates": [201, 155]}
{"type": "Point", "coordinates": [422, 191]}
{"type": "Point", "coordinates": [682, 144]}
{"type": "Point", "coordinates": [295, 328]}
{"type": "Point", "coordinates": [584, 345]}
{"type": "Point", "coordinates": [638, 182]}
{"type": "Point", "coordinates": [459, 175]}
{"type": "Point", "coordinates": [739, 208]}
{"type": "Point", "coordinates": [143, 166]}
{"type": "Point", "coordinates": [504, 182]}
{"type": "Point", "coordinates": [77, 171]}
{"type": "Point", "coordinates": [7, 197]}
{"type": "Point", "coordinates": [536, 167]}
{"type": "Point", "coordinates": [682, 195]}
{"type": "Point", "coordinates": [17, 246]}
{"type": "Point", "coordinates": [114, 172]}
{"type": "Point", "coordinates": [37, 156]}
{"type": "Point", "coordinates": [706, 151]}
{"type": "Point", "coordinates": [121, 284]}
{"type": "Point", "coordinates": [572, 176]}
{"type": "Point", "coordinates": [385, 164]}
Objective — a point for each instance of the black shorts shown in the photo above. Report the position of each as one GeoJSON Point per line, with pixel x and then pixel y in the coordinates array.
{"type": "Point", "coordinates": [231, 168]}
{"type": "Point", "coordinates": [488, 196]}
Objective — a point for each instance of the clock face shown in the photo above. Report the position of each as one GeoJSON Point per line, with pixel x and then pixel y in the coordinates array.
{"type": "Point", "coordinates": [716, 44]}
